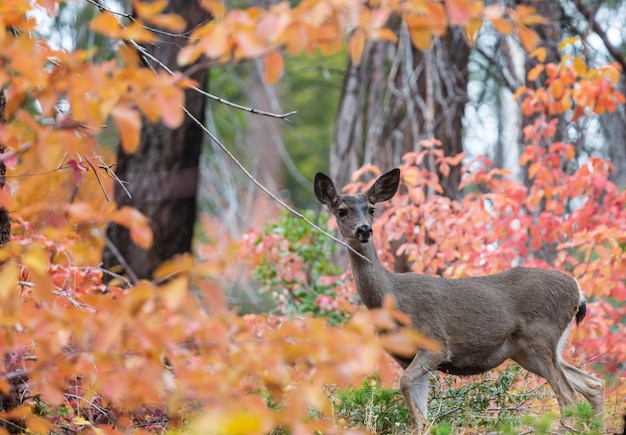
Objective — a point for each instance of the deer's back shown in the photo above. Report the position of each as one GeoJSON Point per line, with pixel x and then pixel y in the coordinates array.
{"type": "Point", "coordinates": [477, 316]}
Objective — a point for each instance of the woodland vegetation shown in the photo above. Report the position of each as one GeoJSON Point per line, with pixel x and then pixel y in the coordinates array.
{"type": "Point", "coordinates": [149, 283]}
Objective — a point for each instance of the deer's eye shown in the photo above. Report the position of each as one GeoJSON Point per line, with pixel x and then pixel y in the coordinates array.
{"type": "Point", "coordinates": [342, 212]}
{"type": "Point", "coordinates": [372, 210]}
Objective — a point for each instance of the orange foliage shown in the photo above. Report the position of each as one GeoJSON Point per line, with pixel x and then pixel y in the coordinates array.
{"type": "Point", "coordinates": [324, 25]}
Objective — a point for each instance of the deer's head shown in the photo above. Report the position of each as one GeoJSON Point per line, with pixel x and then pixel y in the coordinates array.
{"type": "Point", "coordinates": [354, 212]}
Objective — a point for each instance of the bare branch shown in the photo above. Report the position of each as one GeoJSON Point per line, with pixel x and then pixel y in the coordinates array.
{"type": "Point", "coordinates": [615, 53]}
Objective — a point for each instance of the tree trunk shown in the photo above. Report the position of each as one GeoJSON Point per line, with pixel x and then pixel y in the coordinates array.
{"type": "Point", "coordinates": [162, 176]}
{"type": "Point", "coordinates": [5, 220]}
{"type": "Point", "coordinates": [396, 97]}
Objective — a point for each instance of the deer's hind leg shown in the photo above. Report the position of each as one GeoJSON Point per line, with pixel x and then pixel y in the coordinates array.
{"type": "Point", "coordinates": [589, 386]}
{"type": "Point", "coordinates": [547, 365]}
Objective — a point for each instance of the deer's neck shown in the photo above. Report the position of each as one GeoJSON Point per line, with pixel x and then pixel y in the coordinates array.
{"type": "Point", "coordinates": [371, 278]}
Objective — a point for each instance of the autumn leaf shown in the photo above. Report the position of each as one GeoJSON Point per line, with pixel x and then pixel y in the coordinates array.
{"type": "Point", "coordinates": [216, 7]}
{"type": "Point", "coordinates": [128, 123]}
{"type": "Point", "coordinates": [357, 45]}
{"type": "Point", "coordinates": [273, 64]}
{"type": "Point", "coordinates": [6, 197]}
{"type": "Point", "coordinates": [528, 38]}
{"type": "Point", "coordinates": [137, 223]}
{"type": "Point", "coordinates": [458, 12]}
{"type": "Point", "coordinates": [106, 24]}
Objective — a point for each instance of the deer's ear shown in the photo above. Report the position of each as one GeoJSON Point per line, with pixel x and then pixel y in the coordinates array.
{"type": "Point", "coordinates": [325, 189]}
{"type": "Point", "coordinates": [385, 187]}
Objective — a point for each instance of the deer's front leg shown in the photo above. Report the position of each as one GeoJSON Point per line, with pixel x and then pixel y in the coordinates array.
{"type": "Point", "coordinates": [414, 387]}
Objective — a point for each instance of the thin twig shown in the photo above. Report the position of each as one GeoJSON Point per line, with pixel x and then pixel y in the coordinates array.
{"type": "Point", "coordinates": [119, 257]}
{"type": "Point", "coordinates": [266, 190]}
{"type": "Point", "coordinates": [95, 172]}
{"type": "Point", "coordinates": [14, 153]}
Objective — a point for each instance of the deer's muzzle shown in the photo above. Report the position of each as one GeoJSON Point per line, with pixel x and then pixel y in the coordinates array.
{"type": "Point", "coordinates": [363, 233]}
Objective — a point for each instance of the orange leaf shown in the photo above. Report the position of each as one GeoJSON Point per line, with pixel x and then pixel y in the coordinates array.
{"type": "Point", "coordinates": [171, 100]}
{"type": "Point", "coordinates": [174, 292]}
{"type": "Point", "coordinates": [422, 38]}
{"type": "Point", "coordinates": [534, 73]}
{"type": "Point", "coordinates": [249, 45]}
{"type": "Point", "coordinates": [128, 124]}
{"type": "Point", "coordinates": [6, 198]}
{"type": "Point", "coordinates": [137, 224]}
{"type": "Point", "coordinates": [216, 7]}
{"type": "Point", "coordinates": [357, 45]}
{"type": "Point", "coordinates": [273, 65]}
{"type": "Point", "coordinates": [106, 24]}
{"type": "Point", "coordinates": [129, 55]}
{"type": "Point", "coordinates": [171, 22]}
{"type": "Point", "coordinates": [458, 12]}
{"type": "Point", "coordinates": [503, 26]}
{"type": "Point", "coordinates": [189, 54]}
{"type": "Point", "coordinates": [528, 38]}
{"type": "Point", "coordinates": [149, 8]}
{"type": "Point", "coordinates": [539, 53]}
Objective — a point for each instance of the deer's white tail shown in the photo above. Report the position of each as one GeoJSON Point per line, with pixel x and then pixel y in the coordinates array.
{"type": "Point", "coordinates": [582, 306]}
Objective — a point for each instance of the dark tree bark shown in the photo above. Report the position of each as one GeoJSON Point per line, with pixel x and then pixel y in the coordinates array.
{"type": "Point", "coordinates": [396, 97]}
{"type": "Point", "coordinates": [162, 176]}
{"type": "Point", "coordinates": [5, 220]}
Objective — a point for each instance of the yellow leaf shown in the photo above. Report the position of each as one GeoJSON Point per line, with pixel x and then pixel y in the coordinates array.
{"type": "Point", "coordinates": [36, 260]}
{"type": "Point", "coordinates": [357, 45]}
{"type": "Point", "coordinates": [231, 421]}
{"type": "Point", "coordinates": [568, 41]}
{"type": "Point", "coordinates": [580, 66]}
{"type": "Point", "coordinates": [178, 264]}
{"type": "Point", "coordinates": [273, 64]}
{"type": "Point", "coordinates": [472, 30]}
{"type": "Point", "coordinates": [174, 292]}
{"type": "Point", "coordinates": [129, 55]}
{"type": "Point", "coordinates": [10, 292]}
{"type": "Point", "coordinates": [128, 124]}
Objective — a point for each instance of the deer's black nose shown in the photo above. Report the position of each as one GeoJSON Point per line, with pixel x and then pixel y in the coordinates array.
{"type": "Point", "coordinates": [364, 232]}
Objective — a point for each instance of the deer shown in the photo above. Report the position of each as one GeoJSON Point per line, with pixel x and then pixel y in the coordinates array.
{"type": "Point", "coordinates": [523, 314]}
